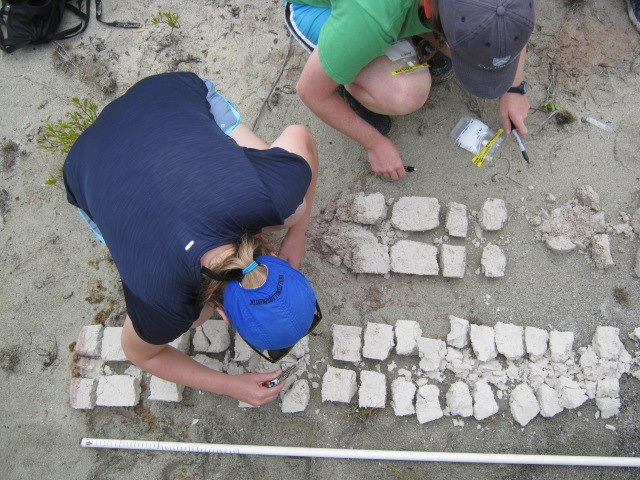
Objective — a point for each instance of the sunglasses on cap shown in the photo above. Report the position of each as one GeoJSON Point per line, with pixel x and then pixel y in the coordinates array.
{"type": "Point", "coordinates": [274, 355]}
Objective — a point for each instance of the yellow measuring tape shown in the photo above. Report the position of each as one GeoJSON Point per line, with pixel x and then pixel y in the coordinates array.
{"type": "Point", "coordinates": [409, 68]}
{"type": "Point", "coordinates": [482, 155]}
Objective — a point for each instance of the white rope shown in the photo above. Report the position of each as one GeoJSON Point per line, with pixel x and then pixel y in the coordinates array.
{"type": "Point", "coordinates": [407, 456]}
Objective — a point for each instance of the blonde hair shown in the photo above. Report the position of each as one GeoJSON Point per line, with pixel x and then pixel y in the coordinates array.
{"type": "Point", "coordinates": [241, 255]}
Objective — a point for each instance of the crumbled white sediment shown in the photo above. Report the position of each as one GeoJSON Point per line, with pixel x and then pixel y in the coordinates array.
{"type": "Point", "coordinates": [403, 393]}
{"type": "Point", "coordinates": [601, 251]}
{"type": "Point", "coordinates": [459, 401]}
{"type": "Point", "coordinates": [428, 404]}
{"type": "Point", "coordinates": [523, 403]}
{"type": "Point", "coordinates": [560, 244]}
{"type": "Point", "coordinates": [460, 362]}
{"type": "Point", "coordinates": [458, 335]}
{"type": "Point", "coordinates": [407, 333]}
{"type": "Point", "coordinates": [484, 403]}
{"type": "Point", "coordinates": [493, 261]}
{"type": "Point", "coordinates": [588, 197]}
{"type": "Point", "coordinates": [432, 352]}
{"type": "Point", "coordinates": [536, 341]}
{"type": "Point", "coordinates": [609, 407]}
{"type": "Point", "coordinates": [509, 340]}
{"type": "Point", "coordinates": [636, 268]}
{"type": "Point", "coordinates": [570, 393]}
{"type": "Point", "coordinates": [483, 342]}
{"type": "Point", "coordinates": [296, 398]}
{"type": "Point", "coordinates": [456, 223]}
{"type": "Point", "coordinates": [493, 214]}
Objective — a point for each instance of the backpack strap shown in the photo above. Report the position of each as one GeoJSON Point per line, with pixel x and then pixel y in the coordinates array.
{"type": "Point", "coordinates": [113, 24]}
{"type": "Point", "coordinates": [83, 16]}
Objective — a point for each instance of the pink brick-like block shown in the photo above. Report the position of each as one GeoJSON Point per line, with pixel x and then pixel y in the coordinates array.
{"type": "Point", "coordinates": [82, 393]}
{"type": "Point", "coordinates": [118, 391]}
{"type": "Point", "coordinates": [414, 258]}
{"type": "Point", "coordinates": [88, 343]}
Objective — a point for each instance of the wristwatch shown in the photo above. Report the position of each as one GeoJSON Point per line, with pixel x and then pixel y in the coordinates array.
{"type": "Point", "coordinates": [521, 89]}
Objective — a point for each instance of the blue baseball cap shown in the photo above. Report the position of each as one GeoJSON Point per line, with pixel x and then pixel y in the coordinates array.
{"type": "Point", "coordinates": [486, 38]}
{"type": "Point", "coordinates": [278, 313]}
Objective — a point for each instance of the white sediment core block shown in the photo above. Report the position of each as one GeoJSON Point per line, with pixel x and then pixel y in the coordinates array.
{"type": "Point", "coordinates": [561, 345]}
{"type": "Point", "coordinates": [347, 343]}
{"type": "Point", "coordinates": [414, 258]}
{"type": "Point", "coordinates": [509, 340]}
{"type": "Point", "coordinates": [453, 260]}
{"type": "Point", "coordinates": [548, 400]}
{"type": "Point", "coordinates": [242, 351]}
{"type": "Point", "coordinates": [493, 262]}
{"type": "Point", "coordinates": [117, 391]}
{"type": "Point", "coordinates": [164, 391]}
{"type": "Point", "coordinates": [483, 342]}
{"type": "Point", "coordinates": [338, 385]}
{"type": "Point", "coordinates": [416, 214]}
{"type": "Point", "coordinates": [432, 352]}
{"type": "Point", "coordinates": [112, 345]}
{"type": "Point", "coordinates": [403, 393]}
{"type": "Point", "coordinates": [458, 335]}
{"type": "Point", "coordinates": [493, 214]}
{"type": "Point", "coordinates": [609, 407]}
{"type": "Point", "coordinates": [296, 398]}
{"type": "Point", "coordinates": [428, 404]}
{"type": "Point", "coordinates": [523, 403]}
{"type": "Point", "coordinates": [484, 403]}
{"type": "Point", "coordinates": [373, 390]}
{"type": "Point", "coordinates": [378, 341]}
{"type": "Point", "coordinates": [212, 363]}
{"type": "Point", "coordinates": [601, 251]}
{"type": "Point", "coordinates": [570, 393]}
{"type": "Point", "coordinates": [536, 341]}
{"type": "Point", "coordinates": [459, 401]}
{"type": "Point", "coordinates": [606, 343]}
{"type": "Point", "coordinates": [407, 333]}
{"type": "Point", "coordinates": [371, 258]}
{"type": "Point", "coordinates": [217, 334]}
{"type": "Point", "coordinates": [457, 223]}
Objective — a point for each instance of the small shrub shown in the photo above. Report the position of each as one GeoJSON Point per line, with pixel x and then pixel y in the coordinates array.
{"type": "Point", "coordinates": [61, 136]}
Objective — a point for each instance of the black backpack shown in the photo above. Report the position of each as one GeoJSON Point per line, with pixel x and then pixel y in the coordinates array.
{"type": "Point", "coordinates": [30, 22]}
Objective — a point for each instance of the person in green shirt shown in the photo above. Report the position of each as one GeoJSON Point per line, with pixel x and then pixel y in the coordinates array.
{"type": "Point", "coordinates": [353, 43]}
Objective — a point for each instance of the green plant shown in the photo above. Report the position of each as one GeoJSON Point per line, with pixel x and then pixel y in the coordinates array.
{"type": "Point", "coordinates": [549, 106]}
{"type": "Point", "coordinates": [61, 136]}
{"type": "Point", "coordinates": [168, 18]}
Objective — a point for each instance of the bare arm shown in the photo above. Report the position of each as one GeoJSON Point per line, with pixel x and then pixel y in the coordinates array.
{"type": "Point", "coordinates": [172, 365]}
{"type": "Point", "coordinates": [514, 107]}
{"type": "Point", "coordinates": [318, 92]}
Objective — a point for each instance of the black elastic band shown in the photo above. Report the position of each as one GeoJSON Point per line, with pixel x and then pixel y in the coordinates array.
{"type": "Point", "coordinates": [227, 276]}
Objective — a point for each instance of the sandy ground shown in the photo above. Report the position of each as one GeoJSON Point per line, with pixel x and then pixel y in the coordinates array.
{"type": "Point", "coordinates": [586, 59]}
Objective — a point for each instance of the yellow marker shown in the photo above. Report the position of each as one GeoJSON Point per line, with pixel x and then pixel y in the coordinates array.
{"type": "Point", "coordinates": [481, 156]}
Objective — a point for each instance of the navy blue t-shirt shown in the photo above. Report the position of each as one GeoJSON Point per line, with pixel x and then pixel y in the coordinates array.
{"type": "Point", "coordinates": [164, 184]}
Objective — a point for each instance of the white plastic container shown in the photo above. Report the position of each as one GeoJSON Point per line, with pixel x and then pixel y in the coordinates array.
{"type": "Point", "coordinates": [473, 135]}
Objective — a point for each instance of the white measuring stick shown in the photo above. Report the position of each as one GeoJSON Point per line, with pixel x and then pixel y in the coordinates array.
{"type": "Point", "coordinates": [408, 456]}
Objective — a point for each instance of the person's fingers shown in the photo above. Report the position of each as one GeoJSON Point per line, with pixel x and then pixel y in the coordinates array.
{"type": "Point", "coordinates": [506, 123]}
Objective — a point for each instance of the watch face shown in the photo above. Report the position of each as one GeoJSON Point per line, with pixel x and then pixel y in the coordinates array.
{"type": "Point", "coordinates": [524, 87]}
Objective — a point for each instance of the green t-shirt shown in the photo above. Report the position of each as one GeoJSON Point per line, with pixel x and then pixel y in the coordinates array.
{"type": "Point", "coordinates": [360, 30]}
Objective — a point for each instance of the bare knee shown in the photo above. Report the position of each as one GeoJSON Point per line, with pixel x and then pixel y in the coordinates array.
{"type": "Point", "coordinates": [303, 135]}
{"type": "Point", "coordinates": [408, 97]}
